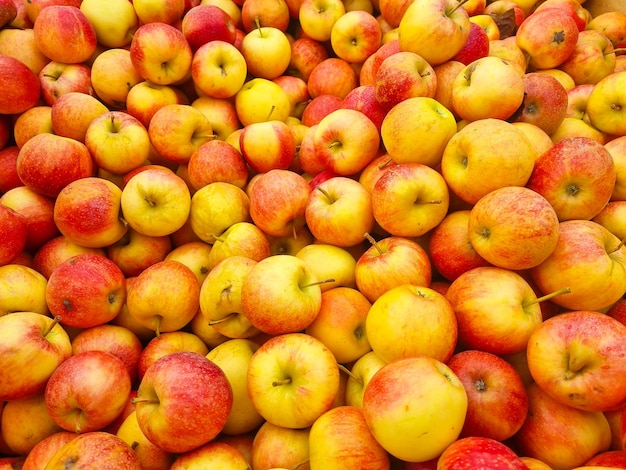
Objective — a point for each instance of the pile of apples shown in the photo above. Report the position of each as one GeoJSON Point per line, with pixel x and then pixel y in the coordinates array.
{"type": "Point", "coordinates": [312, 234]}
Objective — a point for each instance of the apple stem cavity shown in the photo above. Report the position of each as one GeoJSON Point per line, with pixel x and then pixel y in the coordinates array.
{"type": "Point", "coordinates": [619, 245]}
{"type": "Point", "coordinates": [285, 381]}
{"type": "Point", "coordinates": [564, 290]}
{"type": "Point", "coordinates": [375, 244]}
{"type": "Point", "coordinates": [460, 4]}
{"type": "Point", "coordinates": [136, 400]}
{"type": "Point", "coordinates": [54, 323]}
{"type": "Point", "coordinates": [349, 373]}
{"type": "Point", "coordinates": [480, 385]}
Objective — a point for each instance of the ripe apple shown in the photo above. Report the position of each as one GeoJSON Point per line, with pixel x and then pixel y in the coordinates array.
{"type": "Point", "coordinates": [257, 13]}
{"type": "Point", "coordinates": [611, 24]}
{"type": "Point", "coordinates": [218, 69]}
{"type": "Point", "coordinates": [329, 262]}
{"type": "Point", "coordinates": [267, 51]}
{"type": "Point", "coordinates": [24, 290]}
{"type": "Point", "coordinates": [577, 176]}
{"type": "Point", "coordinates": [72, 113]}
{"type": "Point", "coordinates": [58, 78]}
{"type": "Point", "coordinates": [415, 407]}
{"type": "Point", "coordinates": [476, 45]}
{"type": "Point", "coordinates": [391, 262]}
{"type": "Point", "coordinates": [468, 161]}
{"type": "Point", "coordinates": [168, 12]}
{"type": "Point", "coordinates": [340, 438]}
{"type": "Point", "coordinates": [14, 233]}
{"type": "Point", "coordinates": [193, 254]}
{"type": "Point", "coordinates": [497, 400]}
{"type": "Point", "coordinates": [434, 29]}
{"type": "Point", "coordinates": [593, 58]}
{"type": "Point", "coordinates": [113, 75]}
{"type": "Point", "coordinates": [363, 98]}
{"type": "Point", "coordinates": [87, 212]}
{"type": "Point", "coordinates": [306, 53]}
{"type": "Point", "coordinates": [298, 370]}
{"type": "Point", "coordinates": [417, 130]}
{"type": "Point", "coordinates": [277, 445]}
{"type": "Point", "coordinates": [48, 176]}
{"type": "Point", "coordinates": [617, 149]}
{"type": "Point", "coordinates": [43, 451]}
{"type": "Point", "coordinates": [260, 99]}
{"type": "Point", "coordinates": [603, 112]}
{"type": "Point", "coordinates": [174, 307]}
{"type": "Point", "coordinates": [221, 113]}
{"type": "Point", "coordinates": [410, 320]}
{"type": "Point", "coordinates": [160, 53]}
{"type": "Point", "coordinates": [409, 199]}
{"type": "Point", "coordinates": [86, 290]}
{"type": "Point", "coordinates": [64, 34]}
{"type": "Point", "coordinates": [315, 110]}
{"type": "Point", "coordinates": [472, 451]}
{"type": "Point", "coordinates": [298, 93]}
{"type": "Point", "coordinates": [135, 251]}
{"type": "Point", "coordinates": [9, 178]}
{"type": "Point", "coordinates": [355, 36]}
{"type": "Point", "coordinates": [149, 454]}
{"type": "Point", "coordinates": [240, 239]}
{"type": "Point", "coordinates": [33, 121]}
{"type": "Point", "coordinates": [317, 17]}
{"type": "Point", "coordinates": [361, 372]}
{"type": "Point", "coordinates": [87, 391]}
{"type": "Point", "coordinates": [183, 401]}
{"type": "Point", "coordinates": [268, 145]}
{"type": "Point", "coordinates": [205, 23]}
{"type": "Point", "coordinates": [156, 202]}
{"type": "Point", "coordinates": [608, 458]}
{"type": "Point", "coordinates": [561, 436]}
{"type": "Point", "coordinates": [369, 68]}
{"type": "Point", "coordinates": [145, 98]}
{"type": "Point", "coordinates": [612, 218]}
{"type": "Point", "coordinates": [96, 449]}
{"type": "Point", "coordinates": [114, 22]}
{"type": "Point", "coordinates": [216, 454]}
{"type": "Point", "coordinates": [332, 76]}
{"type": "Point", "coordinates": [488, 24]}
{"type": "Point", "coordinates": [233, 357]}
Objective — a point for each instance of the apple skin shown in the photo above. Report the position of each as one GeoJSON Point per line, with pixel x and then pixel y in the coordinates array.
{"type": "Point", "coordinates": [592, 363]}
{"type": "Point", "coordinates": [399, 419]}
{"type": "Point", "coordinates": [183, 401]}
{"type": "Point", "coordinates": [86, 290]}
{"type": "Point", "coordinates": [266, 50]}
{"type": "Point", "coordinates": [43, 451]}
{"type": "Point", "coordinates": [593, 58]}
{"type": "Point", "coordinates": [134, 252]}
{"type": "Point", "coordinates": [612, 25]}
{"type": "Point", "coordinates": [306, 53]}
{"type": "Point", "coordinates": [87, 391]}
{"type": "Point", "coordinates": [33, 121]}
{"type": "Point", "coordinates": [204, 23]}
{"type": "Point", "coordinates": [316, 109]}
{"type": "Point", "coordinates": [39, 338]}
{"type": "Point", "coordinates": [9, 178]}
{"type": "Point", "coordinates": [363, 98]}
{"type": "Point", "coordinates": [561, 436]}
{"type": "Point", "coordinates": [475, 47]}
{"type": "Point", "coordinates": [279, 447]}
{"type": "Point", "coordinates": [267, 145]}
{"type": "Point", "coordinates": [604, 116]}
{"type": "Point", "coordinates": [332, 76]}
{"type": "Point", "coordinates": [497, 399]}
{"type": "Point", "coordinates": [217, 454]}
{"type": "Point", "coordinates": [72, 113]}
{"type": "Point", "coordinates": [608, 458]}
{"type": "Point", "coordinates": [24, 288]}
{"type": "Point", "coordinates": [48, 176]}
{"type": "Point", "coordinates": [96, 449]}
{"type": "Point", "coordinates": [355, 36]}
{"type": "Point", "coordinates": [15, 231]}
{"type": "Point", "coordinates": [58, 79]}
{"type": "Point", "coordinates": [114, 22]}
{"type": "Point", "coordinates": [218, 69]}
{"type": "Point", "coordinates": [474, 451]}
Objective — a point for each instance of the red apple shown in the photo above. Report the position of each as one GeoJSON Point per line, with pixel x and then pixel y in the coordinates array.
{"type": "Point", "coordinates": [9, 178]}
{"type": "Point", "coordinates": [475, 47]}
{"type": "Point", "coordinates": [19, 86]}
{"type": "Point", "coordinates": [14, 234]}
{"type": "Point", "coordinates": [476, 451]}
{"type": "Point", "coordinates": [59, 78]}
{"type": "Point", "coordinates": [204, 23]}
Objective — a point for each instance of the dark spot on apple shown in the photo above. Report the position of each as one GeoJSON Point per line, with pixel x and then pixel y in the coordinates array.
{"type": "Point", "coordinates": [67, 304]}
{"type": "Point", "coordinates": [70, 463]}
{"type": "Point", "coordinates": [204, 270]}
{"type": "Point", "coordinates": [572, 189]}
{"type": "Point", "coordinates": [559, 37]}
{"type": "Point", "coordinates": [134, 445]}
{"type": "Point", "coordinates": [111, 298]}
{"type": "Point", "coordinates": [485, 233]}
{"type": "Point", "coordinates": [358, 332]}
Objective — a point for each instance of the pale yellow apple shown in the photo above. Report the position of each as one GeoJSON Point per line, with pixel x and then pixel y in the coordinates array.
{"type": "Point", "coordinates": [259, 100]}
{"type": "Point", "coordinates": [114, 21]}
{"type": "Point", "coordinates": [23, 290]}
{"type": "Point", "coordinates": [329, 262]}
{"type": "Point", "coordinates": [361, 372]}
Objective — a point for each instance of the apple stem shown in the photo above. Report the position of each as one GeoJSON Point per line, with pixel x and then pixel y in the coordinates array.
{"type": "Point", "coordinates": [317, 283]}
{"type": "Point", "coordinates": [257, 22]}
{"type": "Point", "coordinates": [564, 290]}
{"type": "Point", "coordinates": [620, 245]}
{"type": "Point", "coordinates": [157, 330]}
{"type": "Point", "coordinates": [54, 322]}
{"type": "Point", "coordinates": [335, 143]}
{"type": "Point", "coordinates": [386, 163]}
{"type": "Point", "coordinates": [269, 115]}
{"type": "Point", "coordinates": [134, 445]}
{"type": "Point", "coordinates": [284, 381]}
{"type": "Point", "coordinates": [325, 193]}
{"type": "Point", "coordinates": [437, 201]}
{"type": "Point", "coordinates": [136, 400]}
{"type": "Point", "coordinates": [349, 373]}
{"type": "Point", "coordinates": [456, 7]}
{"type": "Point", "coordinates": [221, 320]}
{"type": "Point", "coordinates": [372, 240]}
{"type": "Point", "coordinates": [618, 51]}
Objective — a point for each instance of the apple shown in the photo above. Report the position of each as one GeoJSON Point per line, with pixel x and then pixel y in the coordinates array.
{"type": "Point", "coordinates": [329, 262]}
{"type": "Point", "coordinates": [355, 36]}
{"type": "Point", "coordinates": [434, 29]}
{"type": "Point", "coordinates": [183, 401]}
{"type": "Point", "coordinates": [194, 255]}
{"type": "Point", "coordinates": [513, 227]}
{"type": "Point", "coordinates": [604, 114]}
{"type": "Point", "coordinates": [38, 211]}
{"type": "Point", "coordinates": [577, 176]}
{"type": "Point", "coordinates": [217, 206]}
{"type": "Point", "coordinates": [221, 299]}
{"type": "Point", "coordinates": [612, 217]}
{"type": "Point", "coordinates": [259, 100]}
{"type": "Point", "coordinates": [160, 53]}
{"type": "Point", "coordinates": [280, 295]}
{"type": "Point", "coordinates": [222, 115]}
{"type": "Point", "coordinates": [24, 288]}
{"type": "Point", "coordinates": [168, 343]}
{"type": "Point", "coordinates": [476, 45]}
{"type": "Point", "coordinates": [240, 239]}
{"type": "Point", "coordinates": [617, 149]}
{"type": "Point", "coordinates": [87, 391]}
{"type": "Point", "coordinates": [411, 320]}
{"type": "Point", "coordinates": [473, 95]}
{"type": "Point", "coordinates": [574, 8]}
{"type": "Point", "coordinates": [145, 98]}
{"type": "Point", "coordinates": [149, 454]}
{"type": "Point", "coordinates": [33, 121]}
{"type": "Point", "coordinates": [43, 451]}
{"type": "Point", "coordinates": [15, 232]}
{"type": "Point", "coordinates": [392, 12]}
{"type": "Point", "coordinates": [64, 34]}
{"type": "Point", "coordinates": [339, 212]}
{"type": "Point", "coordinates": [278, 201]}
{"type": "Point", "coordinates": [361, 372]}
{"type": "Point", "coordinates": [611, 24]}
{"type": "Point", "coordinates": [267, 51]}
{"type": "Point", "coordinates": [205, 23]}
{"type": "Point", "coordinates": [332, 76]}
{"type": "Point", "coordinates": [305, 54]}
{"type": "Point", "coordinates": [156, 202]}
{"type": "Point", "coordinates": [87, 212]}
{"type": "Point", "coordinates": [539, 139]}
{"type": "Point", "coordinates": [218, 69]}
{"type": "Point", "coordinates": [113, 75]}
{"type": "Point", "coordinates": [268, 145]}
{"type": "Point", "coordinates": [72, 113]}
{"type": "Point", "coordinates": [317, 17]}
{"type": "Point", "coordinates": [233, 357]}
{"type": "Point", "coordinates": [409, 199]}
{"type": "Point", "coordinates": [504, 330]}
{"type": "Point", "coordinates": [315, 110]}
{"type": "Point", "coordinates": [468, 161]}
{"type": "Point", "coordinates": [561, 436]}
{"type": "Point", "coordinates": [340, 438]}
{"type": "Point", "coordinates": [96, 449]}
{"type": "Point", "coordinates": [497, 399]}
{"type": "Point", "coordinates": [217, 454]}
{"type": "Point", "coordinates": [363, 98]}
{"type": "Point", "coordinates": [417, 130]}
{"type": "Point", "coordinates": [277, 445]}
{"type": "Point", "coordinates": [298, 92]}
{"type": "Point", "coordinates": [9, 178]}
{"type": "Point", "coordinates": [174, 307]}
{"type": "Point", "coordinates": [167, 12]}
{"type": "Point", "coordinates": [118, 142]}
{"type": "Point", "coordinates": [298, 370]}
{"type": "Point", "coordinates": [255, 13]}
{"type": "Point", "coordinates": [608, 458]}
{"type": "Point", "coordinates": [135, 251]}
{"type": "Point", "coordinates": [86, 290]}
{"type": "Point", "coordinates": [474, 450]}
{"type": "Point", "coordinates": [48, 176]}
{"type": "Point", "coordinates": [114, 22]}
{"type": "Point", "coordinates": [404, 75]}
{"type": "Point", "coordinates": [547, 37]}
{"type": "Point", "coordinates": [58, 78]}
{"type": "Point", "coordinates": [593, 58]}
{"type": "Point", "coordinates": [415, 407]}
{"type": "Point", "coordinates": [545, 102]}
{"type": "Point", "coordinates": [370, 66]}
